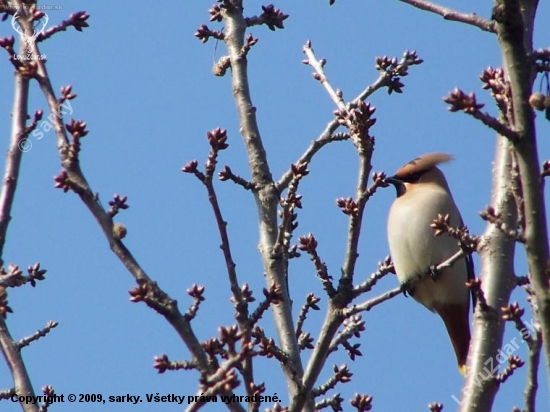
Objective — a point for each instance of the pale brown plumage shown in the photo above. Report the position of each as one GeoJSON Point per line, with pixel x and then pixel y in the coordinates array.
{"type": "Point", "coordinates": [422, 194]}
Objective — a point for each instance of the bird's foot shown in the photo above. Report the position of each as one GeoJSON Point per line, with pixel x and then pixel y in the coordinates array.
{"type": "Point", "coordinates": [433, 272]}
{"type": "Point", "coordinates": [407, 289]}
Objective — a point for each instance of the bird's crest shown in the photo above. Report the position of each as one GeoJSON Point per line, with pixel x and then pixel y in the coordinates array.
{"type": "Point", "coordinates": [423, 163]}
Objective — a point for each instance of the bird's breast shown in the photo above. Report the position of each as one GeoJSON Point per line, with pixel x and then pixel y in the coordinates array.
{"type": "Point", "coordinates": [413, 246]}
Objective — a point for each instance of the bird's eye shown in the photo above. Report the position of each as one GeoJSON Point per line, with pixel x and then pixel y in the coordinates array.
{"type": "Point", "coordinates": [413, 178]}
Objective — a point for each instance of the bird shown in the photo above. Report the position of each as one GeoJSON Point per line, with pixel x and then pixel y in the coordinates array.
{"type": "Point", "coordinates": [422, 195]}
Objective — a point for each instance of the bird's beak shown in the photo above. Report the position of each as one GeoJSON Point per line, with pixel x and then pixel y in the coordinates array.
{"type": "Point", "coordinates": [397, 183]}
{"type": "Point", "coordinates": [394, 181]}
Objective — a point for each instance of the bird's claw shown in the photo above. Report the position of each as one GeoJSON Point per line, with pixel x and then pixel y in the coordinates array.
{"type": "Point", "coordinates": [433, 272]}
{"type": "Point", "coordinates": [406, 289]}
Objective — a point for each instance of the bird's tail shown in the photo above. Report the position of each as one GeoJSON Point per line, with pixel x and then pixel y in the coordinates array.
{"type": "Point", "coordinates": [457, 322]}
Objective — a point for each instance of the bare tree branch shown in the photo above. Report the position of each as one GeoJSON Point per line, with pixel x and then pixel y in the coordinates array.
{"type": "Point", "coordinates": [358, 120]}
{"type": "Point", "coordinates": [332, 322]}
{"type": "Point", "coordinates": [515, 33]}
{"type": "Point", "coordinates": [341, 375]}
{"type": "Point", "coordinates": [37, 335]}
{"type": "Point", "coordinates": [308, 244]}
{"type": "Point", "coordinates": [227, 174]}
{"type": "Point", "coordinates": [498, 280]}
{"type": "Point", "coordinates": [328, 136]}
{"type": "Point", "coordinates": [356, 219]}
{"type": "Point", "coordinates": [535, 346]}
{"type": "Point", "coordinates": [320, 75]}
{"type": "Point", "coordinates": [14, 155]}
{"type": "Point", "coordinates": [369, 304]}
{"type": "Point", "coordinates": [266, 196]}
{"type": "Point", "coordinates": [10, 349]}
{"type": "Point", "coordinates": [468, 104]}
{"type": "Point", "coordinates": [387, 74]}
{"type": "Point", "coordinates": [217, 139]}
{"type": "Point", "coordinates": [453, 15]}
{"type": "Point", "coordinates": [513, 313]}
{"type": "Point", "coordinates": [18, 370]}
{"type": "Point", "coordinates": [73, 178]}
{"type": "Point", "coordinates": [7, 393]}
{"type": "Point", "coordinates": [310, 304]}
{"type": "Point", "coordinates": [494, 124]}
{"type": "Point", "coordinates": [384, 268]}
{"type": "Point", "coordinates": [491, 216]}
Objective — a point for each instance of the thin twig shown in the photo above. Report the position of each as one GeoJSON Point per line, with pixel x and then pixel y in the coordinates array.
{"type": "Point", "coordinates": [357, 117]}
{"type": "Point", "coordinates": [354, 325]}
{"type": "Point", "coordinates": [371, 303]}
{"type": "Point", "coordinates": [356, 219]}
{"type": "Point", "coordinates": [328, 135]}
{"type": "Point", "coordinates": [341, 375]}
{"type": "Point", "coordinates": [308, 244]}
{"type": "Point", "coordinates": [227, 174]}
{"type": "Point", "coordinates": [334, 402]}
{"type": "Point", "coordinates": [7, 393]}
{"type": "Point", "coordinates": [321, 76]}
{"type": "Point", "coordinates": [310, 304]}
{"type": "Point", "coordinates": [217, 139]}
{"type": "Point", "coordinates": [467, 103]}
{"type": "Point", "coordinates": [490, 215]}
{"type": "Point", "coordinates": [317, 360]}
{"type": "Point", "coordinates": [344, 295]}
{"type": "Point", "coordinates": [290, 203]}
{"type": "Point", "coordinates": [37, 335]}
{"type": "Point", "coordinates": [495, 124]}
{"type": "Point", "coordinates": [269, 348]}
{"type": "Point", "coordinates": [15, 278]}
{"type": "Point", "coordinates": [77, 20]}
{"type": "Point", "coordinates": [532, 336]}
{"type": "Point", "coordinates": [453, 15]}
{"type": "Point", "coordinates": [384, 268]}
{"type": "Point", "coordinates": [222, 225]}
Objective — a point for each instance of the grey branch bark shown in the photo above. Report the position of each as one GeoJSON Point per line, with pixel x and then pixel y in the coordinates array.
{"type": "Point", "coordinates": [10, 348]}
{"type": "Point", "coordinates": [266, 196]}
{"type": "Point", "coordinates": [13, 157]}
{"type": "Point", "coordinates": [515, 34]}
{"type": "Point", "coordinates": [496, 250]}
{"type": "Point", "coordinates": [168, 307]}
{"type": "Point", "coordinates": [513, 23]}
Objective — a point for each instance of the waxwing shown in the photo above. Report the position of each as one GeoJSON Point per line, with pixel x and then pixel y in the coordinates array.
{"type": "Point", "coordinates": [422, 195]}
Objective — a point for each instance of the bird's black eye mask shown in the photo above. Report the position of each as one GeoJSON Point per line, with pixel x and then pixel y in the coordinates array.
{"type": "Point", "coordinates": [413, 177]}
{"type": "Point", "coordinates": [398, 181]}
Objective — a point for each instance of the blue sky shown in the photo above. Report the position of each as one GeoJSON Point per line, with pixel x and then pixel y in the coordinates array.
{"type": "Point", "coordinates": [146, 89]}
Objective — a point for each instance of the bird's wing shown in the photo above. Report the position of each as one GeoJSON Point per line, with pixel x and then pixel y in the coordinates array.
{"type": "Point", "coordinates": [471, 272]}
{"type": "Point", "coordinates": [471, 276]}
